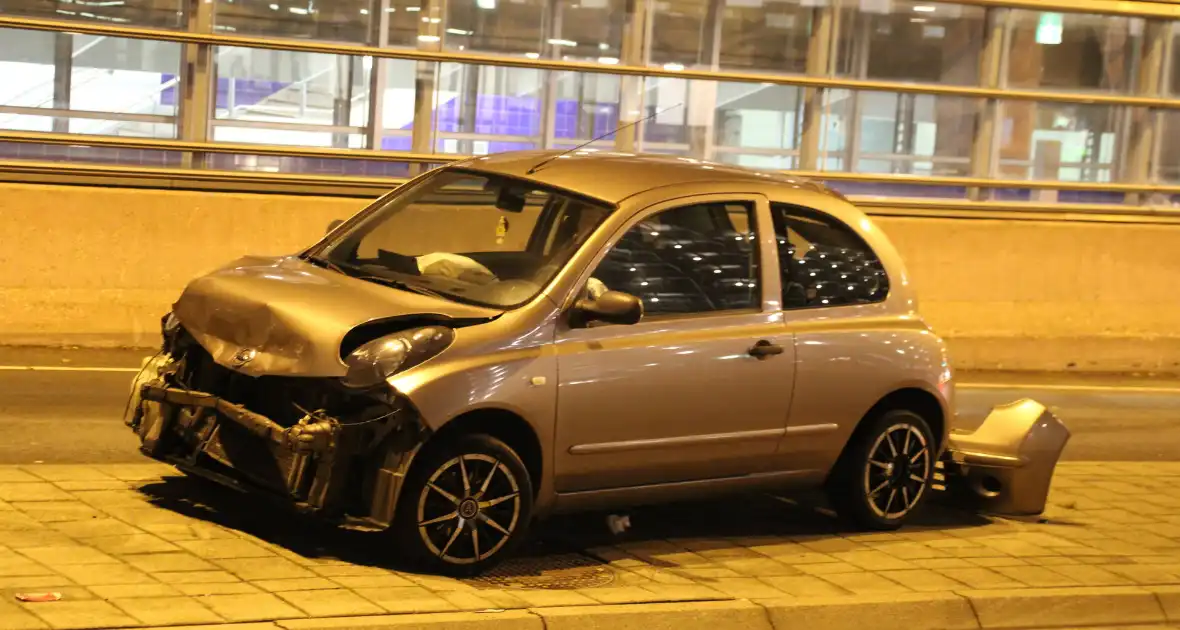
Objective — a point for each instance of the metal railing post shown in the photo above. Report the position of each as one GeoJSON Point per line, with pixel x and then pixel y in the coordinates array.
{"type": "Point", "coordinates": [196, 98]}
{"type": "Point", "coordinates": [1166, 70]}
{"type": "Point", "coordinates": [431, 32]}
{"type": "Point", "coordinates": [631, 88]}
{"type": "Point", "coordinates": [379, 37]}
{"type": "Point", "coordinates": [985, 145]}
{"type": "Point", "coordinates": [63, 71]}
{"type": "Point", "coordinates": [1145, 126]}
{"type": "Point", "coordinates": [819, 48]}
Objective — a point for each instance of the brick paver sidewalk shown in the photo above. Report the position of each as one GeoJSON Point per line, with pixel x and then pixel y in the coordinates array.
{"type": "Point", "coordinates": [131, 545]}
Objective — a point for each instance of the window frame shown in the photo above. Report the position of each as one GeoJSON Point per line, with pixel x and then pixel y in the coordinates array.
{"type": "Point", "coordinates": [815, 214]}
{"type": "Point", "coordinates": [764, 240]}
{"type": "Point", "coordinates": [334, 238]}
{"type": "Point", "coordinates": [340, 236]}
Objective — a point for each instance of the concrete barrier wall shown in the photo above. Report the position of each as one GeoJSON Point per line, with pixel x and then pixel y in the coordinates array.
{"type": "Point", "coordinates": [1048, 295]}
{"type": "Point", "coordinates": [98, 267]}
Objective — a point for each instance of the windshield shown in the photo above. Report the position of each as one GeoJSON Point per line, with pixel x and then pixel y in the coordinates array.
{"type": "Point", "coordinates": [467, 236]}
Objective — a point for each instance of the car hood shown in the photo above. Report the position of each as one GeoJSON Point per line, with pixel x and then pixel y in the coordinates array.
{"type": "Point", "coordinates": [291, 317]}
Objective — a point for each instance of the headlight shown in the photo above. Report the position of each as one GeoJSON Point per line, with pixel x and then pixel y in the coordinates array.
{"type": "Point", "coordinates": [381, 358]}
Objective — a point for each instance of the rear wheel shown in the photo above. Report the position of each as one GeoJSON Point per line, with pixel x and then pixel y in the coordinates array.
{"type": "Point", "coordinates": [465, 506]}
{"type": "Point", "coordinates": [884, 474]}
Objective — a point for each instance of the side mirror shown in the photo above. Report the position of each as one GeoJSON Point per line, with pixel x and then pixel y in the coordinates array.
{"type": "Point", "coordinates": [333, 225]}
{"type": "Point", "coordinates": [613, 307]}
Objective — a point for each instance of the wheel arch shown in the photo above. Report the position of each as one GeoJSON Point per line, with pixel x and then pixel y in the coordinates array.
{"type": "Point", "coordinates": [913, 399]}
{"type": "Point", "coordinates": [498, 425]}
{"type": "Point", "coordinates": [504, 425]}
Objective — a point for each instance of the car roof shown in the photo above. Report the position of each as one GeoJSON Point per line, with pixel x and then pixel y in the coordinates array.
{"type": "Point", "coordinates": [613, 176]}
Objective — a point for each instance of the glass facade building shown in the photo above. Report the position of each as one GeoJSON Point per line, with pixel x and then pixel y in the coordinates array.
{"type": "Point", "coordinates": [1021, 101]}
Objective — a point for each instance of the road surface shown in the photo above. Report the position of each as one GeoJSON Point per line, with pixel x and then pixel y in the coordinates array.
{"type": "Point", "coordinates": [73, 413]}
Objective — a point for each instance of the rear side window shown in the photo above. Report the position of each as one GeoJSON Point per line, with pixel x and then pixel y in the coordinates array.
{"type": "Point", "coordinates": [823, 262]}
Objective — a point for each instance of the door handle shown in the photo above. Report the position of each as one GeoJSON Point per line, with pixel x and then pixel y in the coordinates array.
{"type": "Point", "coordinates": [765, 349]}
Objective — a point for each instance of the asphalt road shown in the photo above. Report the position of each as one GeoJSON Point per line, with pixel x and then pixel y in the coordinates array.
{"type": "Point", "coordinates": [73, 414]}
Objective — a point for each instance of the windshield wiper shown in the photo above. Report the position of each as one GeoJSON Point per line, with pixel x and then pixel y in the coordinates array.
{"type": "Point", "coordinates": [361, 274]}
{"type": "Point", "coordinates": [326, 264]}
{"type": "Point", "coordinates": [400, 284]}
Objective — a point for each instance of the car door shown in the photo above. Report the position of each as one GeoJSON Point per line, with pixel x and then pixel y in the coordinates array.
{"type": "Point", "coordinates": [834, 288]}
{"type": "Point", "coordinates": [699, 388]}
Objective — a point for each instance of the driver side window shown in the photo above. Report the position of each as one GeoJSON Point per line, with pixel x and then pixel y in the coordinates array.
{"type": "Point", "coordinates": [701, 258]}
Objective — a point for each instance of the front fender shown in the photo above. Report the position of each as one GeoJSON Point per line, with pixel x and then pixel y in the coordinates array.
{"type": "Point", "coordinates": [1006, 465]}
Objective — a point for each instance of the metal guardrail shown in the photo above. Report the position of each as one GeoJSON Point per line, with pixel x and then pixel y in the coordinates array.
{"type": "Point", "coordinates": [160, 144]}
{"type": "Point", "coordinates": [70, 173]}
{"type": "Point", "coordinates": [274, 43]}
{"type": "Point", "coordinates": [1016, 210]}
{"type": "Point", "coordinates": [40, 172]}
{"type": "Point", "coordinates": [226, 148]}
{"type": "Point", "coordinates": [95, 172]}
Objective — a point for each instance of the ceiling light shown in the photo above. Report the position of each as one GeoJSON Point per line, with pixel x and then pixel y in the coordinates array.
{"type": "Point", "coordinates": [429, 38]}
{"type": "Point", "coordinates": [674, 67]}
{"type": "Point", "coordinates": [610, 61]}
{"type": "Point", "coordinates": [924, 8]}
{"type": "Point", "coordinates": [563, 42]}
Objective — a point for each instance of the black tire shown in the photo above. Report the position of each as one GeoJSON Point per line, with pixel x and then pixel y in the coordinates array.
{"type": "Point", "coordinates": [445, 522]}
{"type": "Point", "coordinates": [871, 485]}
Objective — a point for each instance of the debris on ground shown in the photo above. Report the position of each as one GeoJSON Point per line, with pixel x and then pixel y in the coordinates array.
{"type": "Point", "coordinates": [38, 597]}
{"type": "Point", "coordinates": [618, 523]}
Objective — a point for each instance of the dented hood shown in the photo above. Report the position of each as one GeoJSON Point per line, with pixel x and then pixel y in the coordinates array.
{"type": "Point", "coordinates": [292, 316]}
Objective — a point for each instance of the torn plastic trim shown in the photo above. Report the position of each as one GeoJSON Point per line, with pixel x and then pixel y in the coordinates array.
{"type": "Point", "coordinates": [150, 369]}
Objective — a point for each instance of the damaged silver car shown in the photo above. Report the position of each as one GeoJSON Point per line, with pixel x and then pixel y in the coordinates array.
{"type": "Point", "coordinates": [525, 334]}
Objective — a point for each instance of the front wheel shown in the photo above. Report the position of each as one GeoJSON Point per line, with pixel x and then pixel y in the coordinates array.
{"type": "Point", "coordinates": [885, 472]}
{"type": "Point", "coordinates": [464, 506]}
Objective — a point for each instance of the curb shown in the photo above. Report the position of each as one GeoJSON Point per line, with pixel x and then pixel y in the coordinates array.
{"type": "Point", "coordinates": [1016, 609]}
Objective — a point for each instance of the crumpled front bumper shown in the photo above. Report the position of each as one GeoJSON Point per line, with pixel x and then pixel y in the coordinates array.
{"type": "Point", "coordinates": [1005, 466]}
{"type": "Point", "coordinates": [317, 463]}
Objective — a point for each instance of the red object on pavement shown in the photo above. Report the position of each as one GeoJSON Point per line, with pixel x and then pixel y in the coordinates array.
{"type": "Point", "coordinates": [38, 597]}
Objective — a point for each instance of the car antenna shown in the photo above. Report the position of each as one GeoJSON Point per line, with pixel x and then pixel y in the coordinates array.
{"type": "Point", "coordinates": [593, 140]}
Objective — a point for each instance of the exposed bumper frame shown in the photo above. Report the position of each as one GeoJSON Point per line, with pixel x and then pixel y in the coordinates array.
{"type": "Point", "coordinates": [316, 433]}
{"type": "Point", "coordinates": [315, 462]}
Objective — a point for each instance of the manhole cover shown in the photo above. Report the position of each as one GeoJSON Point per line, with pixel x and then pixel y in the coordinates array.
{"type": "Point", "coordinates": [551, 572]}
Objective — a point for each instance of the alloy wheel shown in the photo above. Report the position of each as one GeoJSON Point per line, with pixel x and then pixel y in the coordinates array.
{"type": "Point", "coordinates": [468, 509]}
{"type": "Point", "coordinates": [897, 471]}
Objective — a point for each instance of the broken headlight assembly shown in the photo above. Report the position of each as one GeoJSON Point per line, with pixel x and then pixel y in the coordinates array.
{"type": "Point", "coordinates": [377, 360]}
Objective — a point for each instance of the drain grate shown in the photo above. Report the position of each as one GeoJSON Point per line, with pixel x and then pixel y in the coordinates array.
{"type": "Point", "coordinates": [549, 572]}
